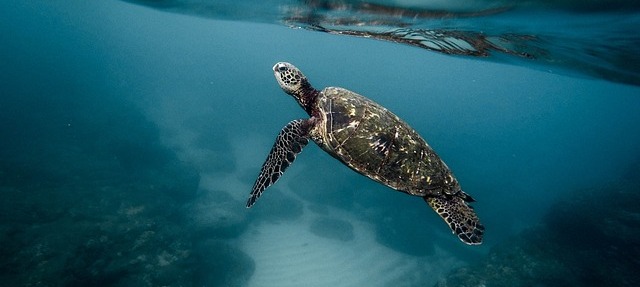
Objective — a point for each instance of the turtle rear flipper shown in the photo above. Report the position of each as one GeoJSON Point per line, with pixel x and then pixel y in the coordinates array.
{"type": "Point", "coordinates": [290, 141]}
{"type": "Point", "coordinates": [460, 217]}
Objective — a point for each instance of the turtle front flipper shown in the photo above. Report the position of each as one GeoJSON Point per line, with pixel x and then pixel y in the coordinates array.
{"type": "Point", "coordinates": [290, 141]}
{"type": "Point", "coordinates": [460, 217]}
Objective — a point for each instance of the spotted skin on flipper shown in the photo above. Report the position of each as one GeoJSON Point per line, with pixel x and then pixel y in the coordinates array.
{"type": "Point", "coordinates": [289, 143]}
{"type": "Point", "coordinates": [460, 217]}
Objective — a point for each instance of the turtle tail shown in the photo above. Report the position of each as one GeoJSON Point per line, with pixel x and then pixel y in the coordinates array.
{"type": "Point", "coordinates": [459, 215]}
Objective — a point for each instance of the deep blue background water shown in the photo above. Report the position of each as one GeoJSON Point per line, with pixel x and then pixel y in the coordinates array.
{"type": "Point", "coordinates": [102, 94]}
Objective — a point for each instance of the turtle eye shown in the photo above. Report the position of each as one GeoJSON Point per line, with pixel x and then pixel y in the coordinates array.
{"type": "Point", "coordinates": [282, 68]}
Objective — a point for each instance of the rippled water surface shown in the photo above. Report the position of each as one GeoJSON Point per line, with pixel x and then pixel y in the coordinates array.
{"type": "Point", "coordinates": [594, 38]}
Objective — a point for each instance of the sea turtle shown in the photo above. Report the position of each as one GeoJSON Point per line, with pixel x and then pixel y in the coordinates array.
{"type": "Point", "coordinates": [374, 142]}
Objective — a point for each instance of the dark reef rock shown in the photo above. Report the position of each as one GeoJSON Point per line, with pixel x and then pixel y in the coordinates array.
{"type": "Point", "coordinates": [591, 238]}
{"type": "Point", "coordinates": [527, 261]}
{"type": "Point", "coordinates": [91, 197]}
{"type": "Point", "coordinates": [151, 257]}
{"type": "Point", "coordinates": [332, 228]}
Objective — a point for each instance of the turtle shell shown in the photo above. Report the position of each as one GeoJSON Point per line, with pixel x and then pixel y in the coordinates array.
{"type": "Point", "coordinates": [376, 143]}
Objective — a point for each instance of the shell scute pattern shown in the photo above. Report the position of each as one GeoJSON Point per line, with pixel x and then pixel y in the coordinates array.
{"type": "Point", "coordinates": [375, 142]}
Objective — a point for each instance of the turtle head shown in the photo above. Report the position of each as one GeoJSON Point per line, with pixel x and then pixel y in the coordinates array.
{"type": "Point", "coordinates": [291, 80]}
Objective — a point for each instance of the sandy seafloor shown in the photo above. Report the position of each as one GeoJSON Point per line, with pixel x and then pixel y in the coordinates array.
{"type": "Point", "coordinates": [131, 139]}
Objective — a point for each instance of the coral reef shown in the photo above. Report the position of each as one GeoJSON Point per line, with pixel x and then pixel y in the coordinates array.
{"type": "Point", "coordinates": [101, 202]}
{"type": "Point", "coordinates": [589, 238]}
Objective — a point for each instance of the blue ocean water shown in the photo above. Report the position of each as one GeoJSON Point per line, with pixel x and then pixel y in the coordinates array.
{"type": "Point", "coordinates": [131, 137]}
